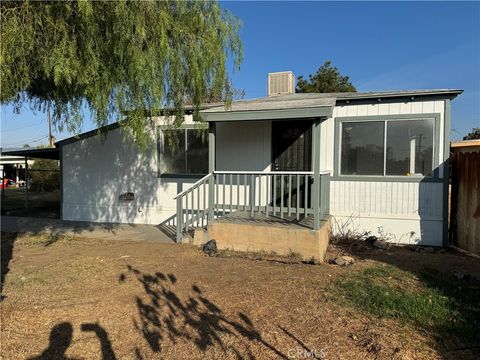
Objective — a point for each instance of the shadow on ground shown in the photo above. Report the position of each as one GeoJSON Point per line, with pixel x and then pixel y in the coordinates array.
{"type": "Point", "coordinates": [162, 314]}
{"type": "Point", "coordinates": [61, 337]}
{"type": "Point", "coordinates": [105, 231]}
{"type": "Point", "coordinates": [34, 225]}
{"type": "Point", "coordinates": [7, 244]}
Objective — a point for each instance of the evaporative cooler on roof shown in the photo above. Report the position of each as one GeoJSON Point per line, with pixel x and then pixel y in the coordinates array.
{"type": "Point", "coordinates": [280, 83]}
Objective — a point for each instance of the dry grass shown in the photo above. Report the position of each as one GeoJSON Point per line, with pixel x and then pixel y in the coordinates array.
{"type": "Point", "coordinates": [41, 204]}
{"type": "Point", "coordinates": [79, 298]}
{"type": "Point", "coordinates": [429, 299]}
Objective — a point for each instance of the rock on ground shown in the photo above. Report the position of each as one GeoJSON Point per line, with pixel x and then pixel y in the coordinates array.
{"type": "Point", "coordinates": [380, 244]}
{"type": "Point", "coordinates": [210, 247]}
{"type": "Point", "coordinates": [343, 260]}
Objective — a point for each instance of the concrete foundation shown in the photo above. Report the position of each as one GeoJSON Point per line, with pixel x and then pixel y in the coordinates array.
{"type": "Point", "coordinates": [275, 235]}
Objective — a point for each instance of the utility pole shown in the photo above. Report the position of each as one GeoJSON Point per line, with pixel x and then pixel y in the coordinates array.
{"type": "Point", "coordinates": [50, 136]}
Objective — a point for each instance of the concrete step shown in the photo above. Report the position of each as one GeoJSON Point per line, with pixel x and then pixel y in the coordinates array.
{"type": "Point", "coordinates": [271, 236]}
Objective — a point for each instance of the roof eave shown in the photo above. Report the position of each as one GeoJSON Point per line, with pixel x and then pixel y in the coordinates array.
{"type": "Point", "coordinates": [270, 114]}
{"type": "Point", "coordinates": [88, 134]}
{"type": "Point", "coordinates": [46, 153]}
{"type": "Point", "coordinates": [446, 94]}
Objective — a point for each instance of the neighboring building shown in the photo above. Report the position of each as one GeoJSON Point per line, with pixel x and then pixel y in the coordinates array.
{"type": "Point", "coordinates": [373, 161]}
{"type": "Point", "coordinates": [12, 166]}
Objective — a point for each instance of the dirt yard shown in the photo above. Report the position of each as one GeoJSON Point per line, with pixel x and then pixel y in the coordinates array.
{"type": "Point", "coordinates": [41, 204]}
{"type": "Point", "coordinates": [74, 298]}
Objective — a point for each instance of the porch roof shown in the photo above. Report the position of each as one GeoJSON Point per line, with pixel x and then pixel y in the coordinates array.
{"type": "Point", "coordinates": [274, 107]}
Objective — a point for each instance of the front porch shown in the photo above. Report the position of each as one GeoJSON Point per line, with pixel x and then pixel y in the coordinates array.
{"type": "Point", "coordinates": [265, 189]}
{"type": "Point", "coordinates": [286, 197]}
{"type": "Point", "coordinates": [280, 211]}
{"type": "Point", "coordinates": [240, 231]}
{"type": "Point", "coordinates": [283, 212]}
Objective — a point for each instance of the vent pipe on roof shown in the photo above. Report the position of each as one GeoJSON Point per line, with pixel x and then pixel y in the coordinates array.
{"type": "Point", "coordinates": [280, 83]}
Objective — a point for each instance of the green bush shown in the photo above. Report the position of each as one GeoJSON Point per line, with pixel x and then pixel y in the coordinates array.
{"type": "Point", "coordinates": [44, 175]}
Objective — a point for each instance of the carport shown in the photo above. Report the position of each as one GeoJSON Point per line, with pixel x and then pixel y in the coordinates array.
{"type": "Point", "coordinates": [47, 153]}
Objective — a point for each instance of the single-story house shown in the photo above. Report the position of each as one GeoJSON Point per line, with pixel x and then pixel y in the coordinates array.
{"type": "Point", "coordinates": [369, 162]}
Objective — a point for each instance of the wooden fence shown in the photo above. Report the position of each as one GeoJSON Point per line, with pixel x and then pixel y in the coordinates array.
{"type": "Point", "coordinates": [465, 201]}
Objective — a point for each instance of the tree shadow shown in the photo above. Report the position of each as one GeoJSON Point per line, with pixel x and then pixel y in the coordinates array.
{"type": "Point", "coordinates": [52, 240]}
{"type": "Point", "coordinates": [61, 337]}
{"type": "Point", "coordinates": [7, 243]}
{"type": "Point", "coordinates": [164, 315]}
{"type": "Point", "coordinates": [308, 352]}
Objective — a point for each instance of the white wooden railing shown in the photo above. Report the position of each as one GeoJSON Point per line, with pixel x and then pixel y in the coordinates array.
{"type": "Point", "coordinates": [269, 193]}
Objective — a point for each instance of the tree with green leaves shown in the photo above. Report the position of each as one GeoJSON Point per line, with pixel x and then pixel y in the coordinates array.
{"type": "Point", "coordinates": [327, 79]}
{"type": "Point", "coordinates": [44, 175]}
{"type": "Point", "coordinates": [115, 58]}
{"type": "Point", "coordinates": [473, 135]}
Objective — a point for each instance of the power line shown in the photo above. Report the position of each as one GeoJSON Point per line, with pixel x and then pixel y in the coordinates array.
{"type": "Point", "coordinates": [31, 137]}
{"type": "Point", "coordinates": [25, 142]}
{"type": "Point", "coordinates": [23, 127]}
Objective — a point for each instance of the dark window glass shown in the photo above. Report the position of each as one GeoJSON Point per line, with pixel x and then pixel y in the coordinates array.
{"type": "Point", "coordinates": [173, 157]}
{"type": "Point", "coordinates": [362, 148]}
{"type": "Point", "coordinates": [292, 145]}
{"type": "Point", "coordinates": [197, 151]}
{"type": "Point", "coordinates": [184, 152]}
{"type": "Point", "coordinates": [410, 147]}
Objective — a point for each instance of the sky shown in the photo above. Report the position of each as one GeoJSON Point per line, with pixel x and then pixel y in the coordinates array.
{"type": "Point", "coordinates": [379, 45]}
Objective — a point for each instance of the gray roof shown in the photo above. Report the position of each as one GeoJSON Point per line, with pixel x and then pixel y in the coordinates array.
{"type": "Point", "coordinates": [277, 102]}
{"type": "Point", "coordinates": [315, 100]}
{"type": "Point", "coordinates": [322, 103]}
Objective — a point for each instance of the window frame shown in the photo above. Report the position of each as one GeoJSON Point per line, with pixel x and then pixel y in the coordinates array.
{"type": "Point", "coordinates": [161, 144]}
{"type": "Point", "coordinates": [434, 177]}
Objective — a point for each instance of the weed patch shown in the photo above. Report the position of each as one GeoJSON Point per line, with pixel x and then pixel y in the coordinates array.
{"type": "Point", "coordinates": [427, 298]}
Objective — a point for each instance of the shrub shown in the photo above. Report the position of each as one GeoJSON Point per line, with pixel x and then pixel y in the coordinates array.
{"type": "Point", "coordinates": [44, 175]}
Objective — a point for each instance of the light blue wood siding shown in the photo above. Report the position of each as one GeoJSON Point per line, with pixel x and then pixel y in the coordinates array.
{"type": "Point", "coordinates": [244, 146]}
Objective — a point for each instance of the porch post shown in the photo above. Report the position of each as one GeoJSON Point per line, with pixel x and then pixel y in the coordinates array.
{"type": "Point", "coordinates": [211, 169]}
{"type": "Point", "coordinates": [3, 187]}
{"type": "Point", "coordinates": [16, 175]}
{"type": "Point", "coordinates": [26, 182]}
{"type": "Point", "coordinates": [316, 173]}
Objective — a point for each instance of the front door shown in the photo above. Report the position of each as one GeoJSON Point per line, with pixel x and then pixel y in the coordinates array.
{"type": "Point", "coordinates": [292, 151]}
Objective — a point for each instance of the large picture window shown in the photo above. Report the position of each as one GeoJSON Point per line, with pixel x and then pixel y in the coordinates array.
{"type": "Point", "coordinates": [362, 148]}
{"type": "Point", "coordinates": [387, 147]}
{"type": "Point", "coordinates": [183, 151]}
{"type": "Point", "coordinates": [409, 147]}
